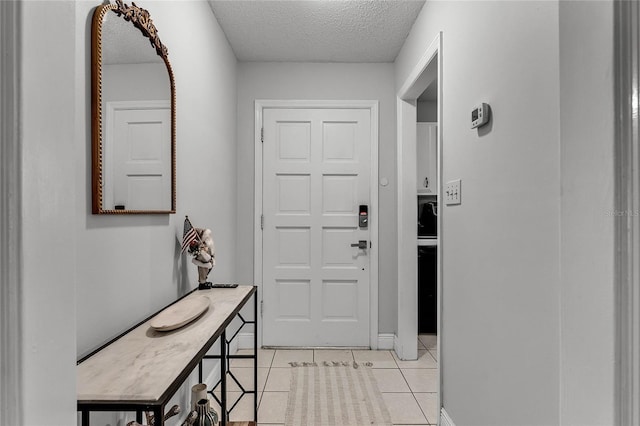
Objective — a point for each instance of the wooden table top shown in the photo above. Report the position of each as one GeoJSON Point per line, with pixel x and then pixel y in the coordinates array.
{"type": "Point", "coordinates": [144, 365]}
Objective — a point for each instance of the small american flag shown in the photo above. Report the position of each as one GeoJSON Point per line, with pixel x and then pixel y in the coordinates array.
{"type": "Point", "coordinates": [190, 235]}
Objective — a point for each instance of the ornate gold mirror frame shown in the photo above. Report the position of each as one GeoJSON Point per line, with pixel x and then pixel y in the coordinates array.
{"type": "Point", "coordinates": [141, 20]}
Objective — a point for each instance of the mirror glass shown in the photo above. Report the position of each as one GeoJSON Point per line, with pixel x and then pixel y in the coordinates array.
{"type": "Point", "coordinates": [133, 114]}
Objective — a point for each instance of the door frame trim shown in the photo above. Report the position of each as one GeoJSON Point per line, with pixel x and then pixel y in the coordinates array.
{"type": "Point", "coordinates": [11, 297]}
{"type": "Point", "coordinates": [372, 106]}
{"type": "Point", "coordinates": [627, 199]}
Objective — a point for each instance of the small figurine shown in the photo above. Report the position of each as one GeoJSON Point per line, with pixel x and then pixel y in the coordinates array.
{"type": "Point", "coordinates": [199, 243]}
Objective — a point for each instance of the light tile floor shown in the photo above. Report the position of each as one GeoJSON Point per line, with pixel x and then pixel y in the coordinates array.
{"type": "Point", "coordinates": [408, 387]}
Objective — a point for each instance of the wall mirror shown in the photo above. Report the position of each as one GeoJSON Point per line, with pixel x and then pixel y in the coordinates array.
{"type": "Point", "coordinates": [133, 114]}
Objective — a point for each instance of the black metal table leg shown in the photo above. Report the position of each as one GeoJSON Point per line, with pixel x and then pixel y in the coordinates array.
{"type": "Point", "coordinates": [86, 417]}
{"type": "Point", "coordinates": [255, 357]}
{"type": "Point", "coordinates": [223, 378]}
{"type": "Point", "coordinates": [158, 415]}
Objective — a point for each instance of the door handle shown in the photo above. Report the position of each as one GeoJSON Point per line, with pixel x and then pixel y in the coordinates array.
{"type": "Point", "coordinates": [361, 244]}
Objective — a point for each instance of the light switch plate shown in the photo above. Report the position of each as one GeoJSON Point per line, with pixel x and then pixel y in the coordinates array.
{"type": "Point", "coordinates": [452, 194]}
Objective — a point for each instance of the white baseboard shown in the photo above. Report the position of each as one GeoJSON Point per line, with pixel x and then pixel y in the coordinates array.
{"type": "Point", "coordinates": [386, 341]}
{"type": "Point", "coordinates": [445, 420]}
{"type": "Point", "coordinates": [396, 344]}
{"type": "Point", "coordinates": [245, 341]}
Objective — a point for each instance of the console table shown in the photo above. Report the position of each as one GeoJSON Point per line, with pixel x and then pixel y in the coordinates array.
{"type": "Point", "coordinates": [142, 369]}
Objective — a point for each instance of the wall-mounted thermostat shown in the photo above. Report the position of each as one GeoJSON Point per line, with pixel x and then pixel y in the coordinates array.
{"type": "Point", "coordinates": [480, 115]}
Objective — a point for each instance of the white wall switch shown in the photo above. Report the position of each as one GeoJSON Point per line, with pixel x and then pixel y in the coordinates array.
{"type": "Point", "coordinates": [452, 194]}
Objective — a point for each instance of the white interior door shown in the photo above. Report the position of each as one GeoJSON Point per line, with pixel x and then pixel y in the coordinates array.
{"type": "Point", "coordinates": [316, 174]}
{"type": "Point", "coordinates": [139, 156]}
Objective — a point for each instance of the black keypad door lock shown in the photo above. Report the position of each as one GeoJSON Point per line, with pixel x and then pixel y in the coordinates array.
{"type": "Point", "coordinates": [363, 216]}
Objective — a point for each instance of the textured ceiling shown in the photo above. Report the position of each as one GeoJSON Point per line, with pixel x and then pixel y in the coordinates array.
{"type": "Point", "coordinates": [316, 30]}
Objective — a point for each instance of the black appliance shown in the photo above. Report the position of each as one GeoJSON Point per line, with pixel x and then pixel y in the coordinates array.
{"type": "Point", "coordinates": [427, 289]}
{"type": "Point", "coordinates": [427, 217]}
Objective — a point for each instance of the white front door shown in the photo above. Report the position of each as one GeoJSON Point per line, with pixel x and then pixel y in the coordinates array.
{"type": "Point", "coordinates": [138, 155]}
{"type": "Point", "coordinates": [316, 174]}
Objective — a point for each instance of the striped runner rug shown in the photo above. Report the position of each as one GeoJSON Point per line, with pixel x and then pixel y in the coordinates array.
{"type": "Point", "coordinates": [335, 394]}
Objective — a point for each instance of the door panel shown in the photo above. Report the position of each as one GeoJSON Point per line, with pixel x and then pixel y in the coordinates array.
{"type": "Point", "coordinates": [294, 141]}
{"type": "Point", "coordinates": [339, 140]}
{"type": "Point", "coordinates": [293, 246]}
{"type": "Point", "coordinates": [293, 300]}
{"type": "Point", "coordinates": [336, 247]}
{"type": "Point", "coordinates": [339, 194]}
{"type": "Point", "coordinates": [293, 194]}
{"type": "Point", "coordinates": [138, 156]}
{"type": "Point", "coordinates": [316, 172]}
{"type": "Point", "coordinates": [340, 300]}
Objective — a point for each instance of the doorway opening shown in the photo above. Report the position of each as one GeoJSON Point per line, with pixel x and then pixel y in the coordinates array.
{"type": "Point", "coordinates": [424, 83]}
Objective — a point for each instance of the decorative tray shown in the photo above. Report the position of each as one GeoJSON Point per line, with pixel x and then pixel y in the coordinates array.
{"type": "Point", "coordinates": [180, 313]}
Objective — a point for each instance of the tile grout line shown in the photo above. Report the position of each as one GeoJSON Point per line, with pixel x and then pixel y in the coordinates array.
{"type": "Point", "coordinates": [266, 378]}
{"type": "Point", "coordinates": [437, 391]}
{"type": "Point", "coordinates": [413, 395]}
{"type": "Point", "coordinates": [420, 407]}
{"type": "Point", "coordinates": [397, 366]}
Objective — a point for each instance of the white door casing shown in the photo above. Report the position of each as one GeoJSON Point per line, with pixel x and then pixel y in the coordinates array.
{"type": "Point", "coordinates": [315, 167]}
{"type": "Point", "coordinates": [139, 164]}
{"type": "Point", "coordinates": [428, 68]}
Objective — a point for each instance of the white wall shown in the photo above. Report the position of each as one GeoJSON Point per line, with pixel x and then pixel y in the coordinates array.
{"type": "Point", "coordinates": [49, 193]}
{"type": "Point", "coordinates": [501, 272]}
{"type": "Point", "coordinates": [315, 81]}
{"type": "Point", "coordinates": [129, 266]}
{"type": "Point", "coordinates": [86, 277]}
{"type": "Point", "coordinates": [135, 82]}
{"type": "Point", "coordinates": [427, 111]}
{"type": "Point", "coordinates": [587, 245]}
